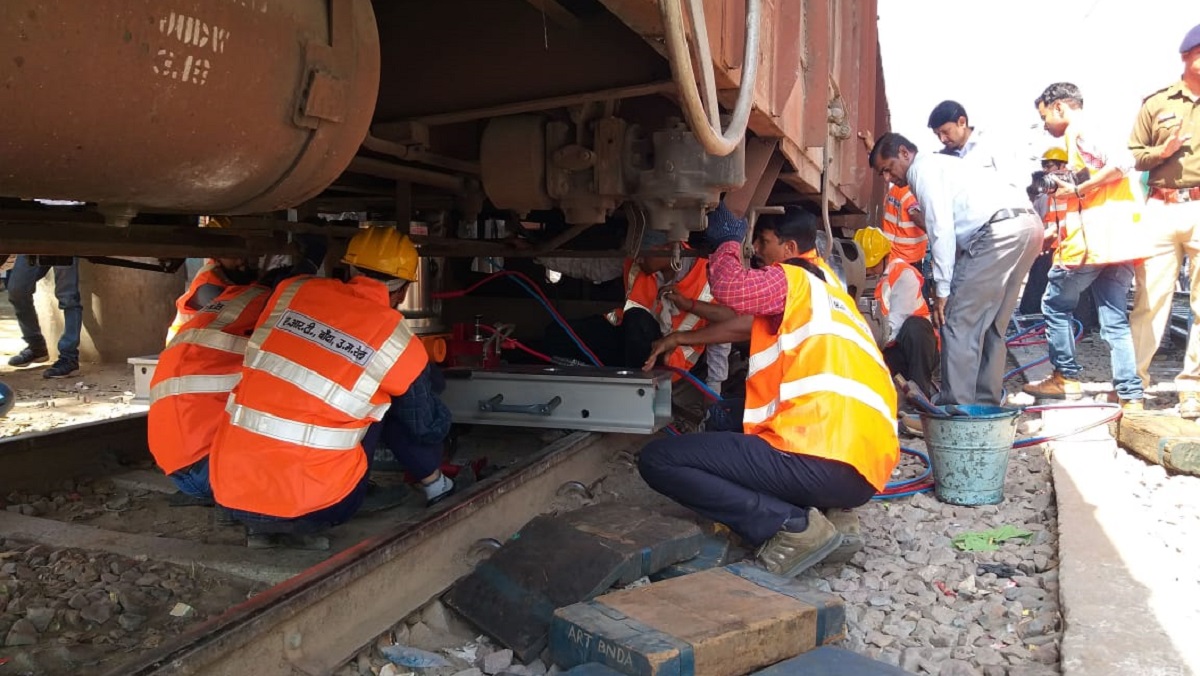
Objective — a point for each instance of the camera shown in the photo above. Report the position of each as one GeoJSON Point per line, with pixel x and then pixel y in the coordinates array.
{"type": "Point", "coordinates": [1044, 184]}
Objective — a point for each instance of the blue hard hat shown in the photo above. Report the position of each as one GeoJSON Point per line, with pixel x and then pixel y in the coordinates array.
{"type": "Point", "coordinates": [8, 399]}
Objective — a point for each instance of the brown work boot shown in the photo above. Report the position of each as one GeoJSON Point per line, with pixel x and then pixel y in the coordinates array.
{"type": "Point", "coordinates": [1057, 386]}
{"type": "Point", "coordinates": [911, 425]}
{"type": "Point", "coordinates": [788, 554]}
{"type": "Point", "coordinates": [846, 522]}
{"type": "Point", "coordinates": [1189, 405]}
{"type": "Point", "coordinates": [1132, 406]}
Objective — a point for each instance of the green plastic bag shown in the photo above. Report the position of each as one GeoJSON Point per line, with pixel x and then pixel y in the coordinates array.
{"type": "Point", "coordinates": [987, 540]}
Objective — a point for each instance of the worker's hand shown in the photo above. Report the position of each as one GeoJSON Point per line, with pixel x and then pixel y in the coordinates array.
{"type": "Point", "coordinates": [1049, 238]}
{"type": "Point", "coordinates": [937, 313]}
{"type": "Point", "coordinates": [1174, 142]}
{"type": "Point", "coordinates": [868, 139]}
{"type": "Point", "coordinates": [677, 299]}
{"type": "Point", "coordinates": [723, 226]}
{"type": "Point", "coordinates": [664, 345]}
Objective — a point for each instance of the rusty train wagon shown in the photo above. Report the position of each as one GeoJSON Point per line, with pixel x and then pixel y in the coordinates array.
{"type": "Point", "coordinates": [577, 112]}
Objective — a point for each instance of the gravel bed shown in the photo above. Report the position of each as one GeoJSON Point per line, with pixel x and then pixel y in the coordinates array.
{"type": "Point", "coordinates": [77, 611]}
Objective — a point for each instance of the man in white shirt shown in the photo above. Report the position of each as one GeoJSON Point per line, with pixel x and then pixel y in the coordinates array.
{"type": "Point", "coordinates": [950, 124]}
{"type": "Point", "coordinates": [984, 238]}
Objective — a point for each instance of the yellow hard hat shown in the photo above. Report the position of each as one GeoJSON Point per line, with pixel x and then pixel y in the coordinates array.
{"type": "Point", "coordinates": [874, 245]}
{"type": "Point", "coordinates": [1055, 154]}
{"type": "Point", "coordinates": [383, 249]}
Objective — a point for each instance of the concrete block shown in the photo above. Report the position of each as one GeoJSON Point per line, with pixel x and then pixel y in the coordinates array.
{"type": "Point", "coordinates": [729, 620]}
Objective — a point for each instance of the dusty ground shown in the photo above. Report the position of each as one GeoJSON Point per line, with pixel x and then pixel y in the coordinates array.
{"type": "Point", "coordinates": [96, 392]}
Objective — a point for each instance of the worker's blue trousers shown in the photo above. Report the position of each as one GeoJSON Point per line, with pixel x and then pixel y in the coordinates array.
{"type": "Point", "coordinates": [741, 481]}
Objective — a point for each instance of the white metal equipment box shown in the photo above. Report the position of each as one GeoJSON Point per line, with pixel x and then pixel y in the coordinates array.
{"type": "Point", "coordinates": [143, 373]}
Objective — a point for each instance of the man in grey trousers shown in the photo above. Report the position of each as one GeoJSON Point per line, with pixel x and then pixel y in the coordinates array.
{"type": "Point", "coordinates": [984, 238]}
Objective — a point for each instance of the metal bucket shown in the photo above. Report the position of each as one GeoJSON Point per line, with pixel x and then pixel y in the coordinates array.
{"type": "Point", "coordinates": [969, 453]}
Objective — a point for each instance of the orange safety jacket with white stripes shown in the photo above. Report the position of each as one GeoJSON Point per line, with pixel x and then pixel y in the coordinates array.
{"type": "Point", "coordinates": [1100, 227]}
{"type": "Point", "coordinates": [641, 291]}
{"type": "Point", "coordinates": [195, 374]}
{"type": "Point", "coordinates": [909, 241]}
{"type": "Point", "coordinates": [211, 274]}
{"type": "Point", "coordinates": [323, 363]}
{"type": "Point", "coordinates": [819, 386]}
{"type": "Point", "coordinates": [1056, 209]}
{"type": "Point", "coordinates": [891, 274]}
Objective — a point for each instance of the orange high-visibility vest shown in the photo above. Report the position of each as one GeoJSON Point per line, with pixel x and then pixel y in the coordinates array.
{"type": "Point", "coordinates": [891, 274]}
{"type": "Point", "coordinates": [819, 386]}
{"type": "Point", "coordinates": [1057, 208]}
{"type": "Point", "coordinates": [211, 273]}
{"type": "Point", "coordinates": [1103, 227]}
{"type": "Point", "coordinates": [909, 241]}
{"type": "Point", "coordinates": [323, 363]}
{"type": "Point", "coordinates": [641, 291]}
{"type": "Point", "coordinates": [195, 375]}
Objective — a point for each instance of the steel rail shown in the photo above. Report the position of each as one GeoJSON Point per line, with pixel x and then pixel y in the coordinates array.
{"type": "Point", "coordinates": [322, 617]}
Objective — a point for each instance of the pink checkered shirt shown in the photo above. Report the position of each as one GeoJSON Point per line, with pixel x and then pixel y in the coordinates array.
{"type": "Point", "coordinates": [749, 292]}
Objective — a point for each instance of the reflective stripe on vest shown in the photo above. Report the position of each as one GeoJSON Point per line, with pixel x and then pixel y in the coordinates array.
{"type": "Point", "coordinates": [1101, 227]}
{"type": "Point", "coordinates": [896, 239]}
{"type": "Point", "coordinates": [818, 385]}
{"type": "Point", "coordinates": [193, 385]}
{"type": "Point", "coordinates": [824, 382]}
{"type": "Point", "coordinates": [909, 242]}
{"type": "Point", "coordinates": [211, 335]}
{"type": "Point", "coordinates": [883, 293]}
{"type": "Point", "coordinates": [821, 323]}
{"type": "Point", "coordinates": [182, 314]}
{"type": "Point", "coordinates": [354, 402]}
{"type": "Point", "coordinates": [290, 431]}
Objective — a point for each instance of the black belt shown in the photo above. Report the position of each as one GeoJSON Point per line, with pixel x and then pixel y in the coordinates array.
{"type": "Point", "coordinates": [1005, 214]}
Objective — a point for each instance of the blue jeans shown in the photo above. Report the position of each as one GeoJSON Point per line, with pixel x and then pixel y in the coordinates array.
{"type": "Point", "coordinates": [1110, 286]}
{"type": "Point", "coordinates": [193, 480]}
{"type": "Point", "coordinates": [22, 282]}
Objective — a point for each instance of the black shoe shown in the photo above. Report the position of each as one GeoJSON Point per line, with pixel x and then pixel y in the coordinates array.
{"type": "Point", "coordinates": [29, 356]}
{"type": "Point", "coordinates": [61, 369]}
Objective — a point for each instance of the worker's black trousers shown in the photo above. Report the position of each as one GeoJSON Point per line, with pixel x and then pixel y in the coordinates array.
{"type": "Point", "coordinates": [741, 481]}
{"type": "Point", "coordinates": [914, 354]}
{"type": "Point", "coordinates": [626, 345]}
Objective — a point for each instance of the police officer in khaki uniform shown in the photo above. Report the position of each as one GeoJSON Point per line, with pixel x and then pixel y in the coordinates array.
{"type": "Point", "coordinates": [1164, 144]}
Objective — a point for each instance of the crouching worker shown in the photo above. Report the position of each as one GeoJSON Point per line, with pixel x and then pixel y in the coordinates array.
{"type": "Point", "coordinates": [910, 345]}
{"type": "Point", "coordinates": [820, 418]}
{"type": "Point", "coordinates": [328, 360]}
{"type": "Point", "coordinates": [191, 385]}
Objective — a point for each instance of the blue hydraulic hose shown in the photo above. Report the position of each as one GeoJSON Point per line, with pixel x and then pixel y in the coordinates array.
{"type": "Point", "coordinates": [700, 384]}
{"type": "Point", "coordinates": [1043, 360]}
{"type": "Point", "coordinates": [555, 315]}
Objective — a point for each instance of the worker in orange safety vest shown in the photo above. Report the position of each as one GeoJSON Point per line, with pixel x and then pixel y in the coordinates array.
{"type": "Point", "coordinates": [214, 277]}
{"type": "Point", "coordinates": [658, 300]}
{"type": "Point", "coordinates": [909, 341]}
{"type": "Point", "coordinates": [192, 382]}
{"type": "Point", "coordinates": [327, 362]}
{"type": "Point", "coordinates": [904, 225]}
{"type": "Point", "coordinates": [820, 416]}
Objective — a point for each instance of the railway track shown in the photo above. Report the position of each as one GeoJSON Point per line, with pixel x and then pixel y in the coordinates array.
{"type": "Point", "coordinates": [318, 619]}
